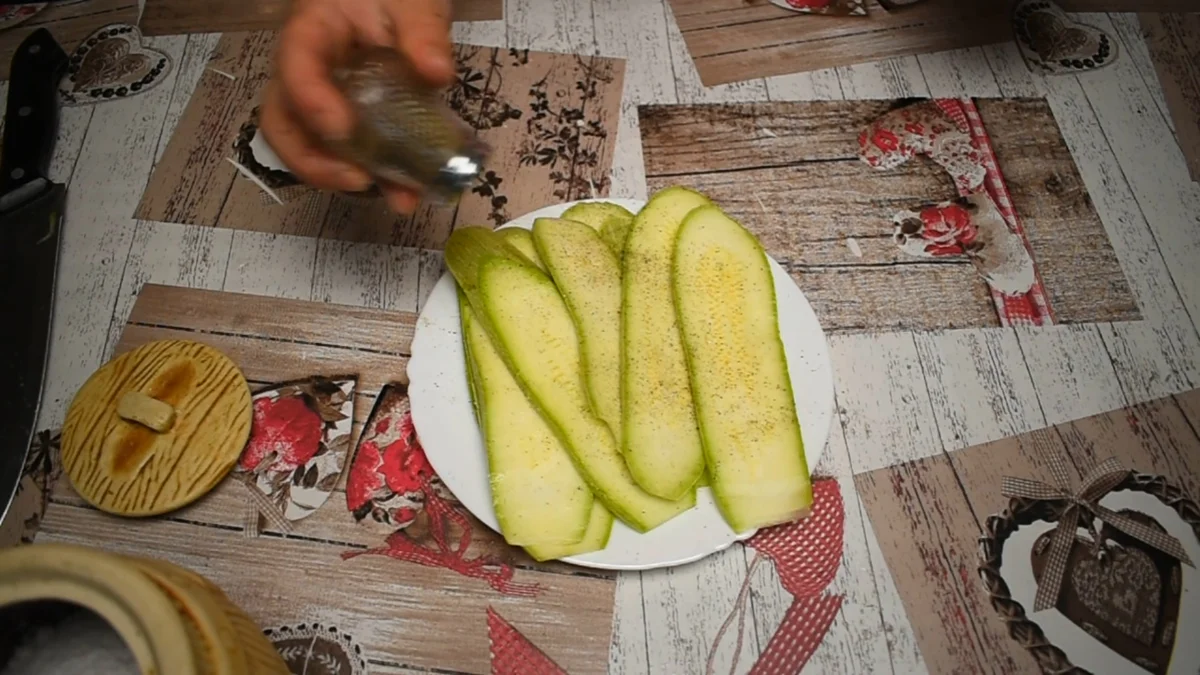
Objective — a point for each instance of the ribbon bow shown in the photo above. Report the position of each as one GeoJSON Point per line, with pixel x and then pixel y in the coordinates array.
{"type": "Point", "coordinates": [1085, 500]}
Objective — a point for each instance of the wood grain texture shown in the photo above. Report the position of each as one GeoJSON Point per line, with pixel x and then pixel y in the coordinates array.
{"type": "Point", "coordinates": [931, 549]}
{"type": "Point", "coordinates": [549, 119]}
{"type": "Point", "coordinates": [928, 539]}
{"type": "Point", "coordinates": [249, 315]}
{"type": "Point", "coordinates": [224, 505]}
{"type": "Point", "coordinates": [124, 468]}
{"type": "Point", "coordinates": [1078, 265]}
{"type": "Point", "coordinates": [70, 25]}
{"type": "Point", "coordinates": [174, 17]}
{"type": "Point", "coordinates": [107, 177]}
{"type": "Point", "coordinates": [1134, 46]}
{"type": "Point", "coordinates": [405, 614]}
{"type": "Point", "coordinates": [732, 40]}
{"type": "Point", "coordinates": [1159, 358]}
{"type": "Point", "coordinates": [790, 173]}
{"type": "Point", "coordinates": [271, 360]}
{"type": "Point", "coordinates": [1176, 55]}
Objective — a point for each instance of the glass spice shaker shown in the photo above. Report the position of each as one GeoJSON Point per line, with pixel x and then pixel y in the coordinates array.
{"type": "Point", "coordinates": [404, 132]}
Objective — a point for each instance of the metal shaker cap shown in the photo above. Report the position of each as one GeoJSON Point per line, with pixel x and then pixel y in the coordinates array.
{"type": "Point", "coordinates": [461, 171]}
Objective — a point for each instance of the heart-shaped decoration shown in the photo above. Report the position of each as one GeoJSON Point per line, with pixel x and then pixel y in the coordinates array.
{"type": "Point", "coordinates": [110, 64]}
{"type": "Point", "coordinates": [1124, 594]}
{"type": "Point", "coordinates": [1054, 43]}
{"type": "Point", "coordinates": [1121, 604]}
{"type": "Point", "coordinates": [1124, 590]}
{"type": "Point", "coordinates": [257, 161]}
{"type": "Point", "coordinates": [252, 151]}
{"type": "Point", "coordinates": [316, 649]}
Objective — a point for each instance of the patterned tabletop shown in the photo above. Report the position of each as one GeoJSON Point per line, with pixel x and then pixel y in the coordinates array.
{"type": "Point", "coordinates": [943, 387]}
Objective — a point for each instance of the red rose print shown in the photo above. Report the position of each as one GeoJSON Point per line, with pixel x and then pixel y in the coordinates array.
{"type": "Point", "coordinates": [948, 229]}
{"type": "Point", "coordinates": [405, 467]}
{"type": "Point", "coordinates": [885, 140]}
{"type": "Point", "coordinates": [285, 427]}
{"type": "Point", "coordinates": [365, 478]}
{"type": "Point", "coordinates": [392, 481]}
{"type": "Point", "coordinates": [809, 4]}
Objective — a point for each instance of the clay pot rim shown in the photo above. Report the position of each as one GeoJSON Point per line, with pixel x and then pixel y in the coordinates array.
{"type": "Point", "coordinates": [108, 585]}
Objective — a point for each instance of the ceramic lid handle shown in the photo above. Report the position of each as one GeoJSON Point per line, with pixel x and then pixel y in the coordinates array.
{"type": "Point", "coordinates": [137, 407]}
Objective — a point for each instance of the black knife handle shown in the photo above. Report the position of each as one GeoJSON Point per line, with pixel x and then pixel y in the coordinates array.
{"type": "Point", "coordinates": [31, 116]}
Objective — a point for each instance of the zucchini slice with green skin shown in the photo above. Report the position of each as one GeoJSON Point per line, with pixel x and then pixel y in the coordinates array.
{"type": "Point", "coordinates": [595, 539]}
{"type": "Point", "coordinates": [725, 296]}
{"type": "Point", "coordinates": [521, 239]}
{"type": "Point", "coordinates": [588, 277]}
{"type": "Point", "coordinates": [539, 496]}
{"type": "Point", "coordinates": [660, 440]}
{"type": "Point", "coordinates": [465, 317]}
{"type": "Point", "coordinates": [610, 220]}
{"type": "Point", "coordinates": [532, 329]}
{"type": "Point", "coordinates": [600, 521]}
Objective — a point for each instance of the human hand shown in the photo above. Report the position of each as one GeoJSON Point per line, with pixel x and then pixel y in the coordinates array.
{"type": "Point", "coordinates": [302, 108]}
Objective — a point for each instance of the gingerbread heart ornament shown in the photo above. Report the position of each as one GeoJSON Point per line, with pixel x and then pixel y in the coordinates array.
{"type": "Point", "coordinates": [1054, 43]}
{"type": "Point", "coordinates": [1124, 607]}
{"type": "Point", "coordinates": [1121, 593]}
{"type": "Point", "coordinates": [111, 64]}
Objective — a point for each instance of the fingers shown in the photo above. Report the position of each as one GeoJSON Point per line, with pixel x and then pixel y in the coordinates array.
{"type": "Point", "coordinates": [300, 152]}
{"type": "Point", "coordinates": [422, 29]}
{"type": "Point", "coordinates": [401, 200]}
{"type": "Point", "coordinates": [371, 22]}
{"type": "Point", "coordinates": [303, 110]}
{"type": "Point", "coordinates": [315, 39]}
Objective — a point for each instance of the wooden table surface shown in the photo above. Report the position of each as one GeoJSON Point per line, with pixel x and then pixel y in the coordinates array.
{"type": "Point", "coordinates": [900, 396]}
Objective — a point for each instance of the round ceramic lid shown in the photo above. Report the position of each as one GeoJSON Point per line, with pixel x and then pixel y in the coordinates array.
{"type": "Point", "coordinates": [156, 428]}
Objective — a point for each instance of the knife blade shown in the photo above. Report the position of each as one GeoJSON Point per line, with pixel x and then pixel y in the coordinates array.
{"type": "Point", "coordinates": [31, 210]}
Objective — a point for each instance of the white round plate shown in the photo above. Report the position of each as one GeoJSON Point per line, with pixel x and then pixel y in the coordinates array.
{"type": "Point", "coordinates": [445, 421]}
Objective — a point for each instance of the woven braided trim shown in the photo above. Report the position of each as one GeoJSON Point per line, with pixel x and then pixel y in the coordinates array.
{"type": "Point", "coordinates": [277, 179]}
{"type": "Point", "coordinates": [274, 178]}
{"type": "Point", "coordinates": [1020, 512]}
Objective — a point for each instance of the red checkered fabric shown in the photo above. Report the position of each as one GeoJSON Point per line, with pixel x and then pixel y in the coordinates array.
{"type": "Point", "coordinates": [513, 653]}
{"type": "Point", "coordinates": [803, 628]}
{"type": "Point", "coordinates": [1032, 308]}
{"type": "Point", "coordinates": [808, 552]}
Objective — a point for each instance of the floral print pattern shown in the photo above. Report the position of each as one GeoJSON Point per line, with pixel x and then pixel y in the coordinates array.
{"type": "Point", "coordinates": [392, 483]}
{"type": "Point", "coordinates": [298, 443]}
